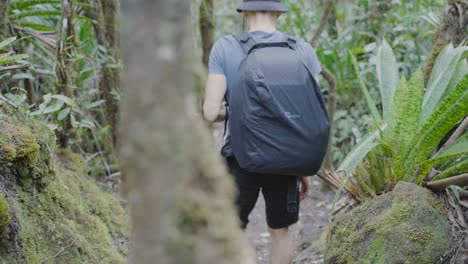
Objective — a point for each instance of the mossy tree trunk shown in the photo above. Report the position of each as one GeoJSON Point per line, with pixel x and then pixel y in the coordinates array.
{"type": "Point", "coordinates": [108, 35]}
{"type": "Point", "coordinates": [65, 53]}
{"type": "Point", "coordinates": [182, 206]}
{"type": "Point", "coordinates": [453, 29]}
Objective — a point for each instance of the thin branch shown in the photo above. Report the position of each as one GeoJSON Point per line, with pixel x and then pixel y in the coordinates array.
{"type": "Point", "coordinates": [329, 77]}
{"type": "Point", "coordinates": [331, 105]}
{"type": "Point", "coordinates": [329, 6]}
{"type": "Point", "coordinates": [439, 185]}
{"type": "Point", "coordinates": [2, 98]}
{"type": "Point", "coordinates": [458, 132]}
{"type": "Point", "coordinates": [39, 36]}
{"type": "Point", "coordinates": [7, 54]}
{"type": "Point", "coordinates": [13, 67]}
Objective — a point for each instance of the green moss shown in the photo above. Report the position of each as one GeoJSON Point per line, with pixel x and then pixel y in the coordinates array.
{"type": "Point", "coordinates": [5, 217]}
{"type": "Point", "coordinates": [63, 217]}
{"type": "Point", "coordinates": [17, 143]}
{"type": "Point", "coordinates": [73, 217]}
{"type": "Point", "coordinates": [406, 226]}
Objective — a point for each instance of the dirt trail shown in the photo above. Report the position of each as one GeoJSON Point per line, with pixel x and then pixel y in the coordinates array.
{"type": "Point", "coordinates": [313, 217]}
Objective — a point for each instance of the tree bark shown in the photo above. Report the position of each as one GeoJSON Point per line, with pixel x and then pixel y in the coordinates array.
{"type": "Point", "coordinates": [180, 194]}
{"type": "Point", "coordinates": [452, 29]}
{"type": "Point", "coordinates": [107, 29]}
{"type": "Point", "coordinates": [65, 65]}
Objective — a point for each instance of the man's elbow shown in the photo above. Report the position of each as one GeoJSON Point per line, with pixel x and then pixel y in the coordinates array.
{"type": "Point", "coordinates": [209, 115]}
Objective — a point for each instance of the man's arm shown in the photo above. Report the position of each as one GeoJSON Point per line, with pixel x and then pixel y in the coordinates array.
{"type": "Point", "coordinates": [213, 108]}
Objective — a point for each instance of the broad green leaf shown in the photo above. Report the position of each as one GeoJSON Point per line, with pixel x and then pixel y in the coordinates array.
{"type": "Point", "coordinates": [448, 112]}
{"type": "Point", "coordinates": [388, 76]}
{"type": "Point", "coordinates": [460, 72]}
{"type": "Point", "coordinates": [22, 4]}
{"type": "Point", "coordinates": [459, 146]}
{"type": "Point", "coordinates": [64, 99]}
{"type": "Point", "coordinates": [427, 165]}
{"type": "Point", "coordinates": [12, 58]}
{"type": "Point", "coordinates": [7, 42]}
{"type": "Point", "coordinates": [36, 13]}
{"type": "Point", "coordinates": [443, 71]}
{"type": "Point", "coordinates": [47, 98]}
{"type": "Point", "coordinates": [370, 103]}
{"type": "Point", "coordinates": [358, 153]}
{"type": "Point", "coordinates": [95, 104]}
{"type": "Point", "coordinates": [457, 169]}
{"type": "Point", "coordinates": [52, 127]}
{"type": "Point", "coordinates": [405, 115]}
{"type": "Point", "coordinates": [456, 191]}
{"type": "Point", "coordinates": [63, 114]}
{"type": "Point", "coordinates": [53, 108]}
{"type": "Point", "coordinates": [17, 99]}
{"type": "Point", "coordinates": [35, 26]}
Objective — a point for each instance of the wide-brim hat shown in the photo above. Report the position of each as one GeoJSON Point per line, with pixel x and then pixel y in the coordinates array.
{"type": "Point", "coordinates": [265, 5]}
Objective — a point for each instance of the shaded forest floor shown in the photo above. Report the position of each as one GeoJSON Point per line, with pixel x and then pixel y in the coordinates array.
{"type": "Point", "coordinates": [313, 218]}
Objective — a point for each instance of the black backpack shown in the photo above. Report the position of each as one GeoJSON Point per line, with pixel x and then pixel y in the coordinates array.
{"type": "Point", "coordinates": [277, 116]}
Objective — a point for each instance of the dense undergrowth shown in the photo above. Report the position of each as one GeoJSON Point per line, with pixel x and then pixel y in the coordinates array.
{"type": "Point", "coordinates": [52, 212]}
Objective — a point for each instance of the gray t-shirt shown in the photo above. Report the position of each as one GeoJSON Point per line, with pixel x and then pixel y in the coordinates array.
{"type": "Point", "coordinates": [227, 54]}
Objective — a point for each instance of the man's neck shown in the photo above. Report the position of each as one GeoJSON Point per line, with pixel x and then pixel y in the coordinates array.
{"type": "Point", "coordinates": [260, 22]}
{"type": "Point", "coordinates": [262, 27]}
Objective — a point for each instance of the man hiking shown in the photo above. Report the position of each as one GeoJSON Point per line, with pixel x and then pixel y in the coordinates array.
{"type": "Point", "coordinates": [238, 88]}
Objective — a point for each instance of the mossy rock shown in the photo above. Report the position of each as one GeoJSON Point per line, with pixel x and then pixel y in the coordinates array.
{"type": "Point", "coordinates": [408, 225]}
{"type": "Point", "coordinates": [58, 212]}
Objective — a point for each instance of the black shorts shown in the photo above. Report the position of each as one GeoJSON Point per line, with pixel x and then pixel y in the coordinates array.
{"type": "Point", "coordinates": [279, 192]}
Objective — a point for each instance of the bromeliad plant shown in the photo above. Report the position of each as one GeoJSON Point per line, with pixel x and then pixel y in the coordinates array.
{"type": "Point", "coordinates": [420, 134]}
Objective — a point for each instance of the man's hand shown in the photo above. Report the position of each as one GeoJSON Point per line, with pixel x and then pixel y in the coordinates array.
{"type": "Point", "coordinates": [305, 185]}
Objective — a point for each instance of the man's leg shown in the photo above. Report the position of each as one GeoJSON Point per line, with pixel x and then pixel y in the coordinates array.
{"type": "Point", "coordinates": [248, 190]}
{"type": "Point", "coordinates": [282, 210]}
{"type": "Point", "coordinates": [282, 246]}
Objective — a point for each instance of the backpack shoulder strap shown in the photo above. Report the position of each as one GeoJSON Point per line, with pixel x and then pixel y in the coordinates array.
{"type": "Point", "coordinates": [245, 40]}
{"type": "Point", "coordinates": [292, 41]}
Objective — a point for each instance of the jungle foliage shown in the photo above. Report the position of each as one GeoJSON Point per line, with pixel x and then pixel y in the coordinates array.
{"type": "Point", "coordinates": [69, 77]}
{"type": "Point", "coordinates": [417, 135]}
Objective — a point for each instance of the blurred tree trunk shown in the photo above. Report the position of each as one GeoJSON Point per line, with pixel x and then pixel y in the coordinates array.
{"type": "Point", "coordinates": [207, 29]}
{"type": "Point", "coordinates": [453, 29]}
{"type": "Point", "coordinates": [181, 195]}
{"type": "Point", "coordinates": [65, 53]}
